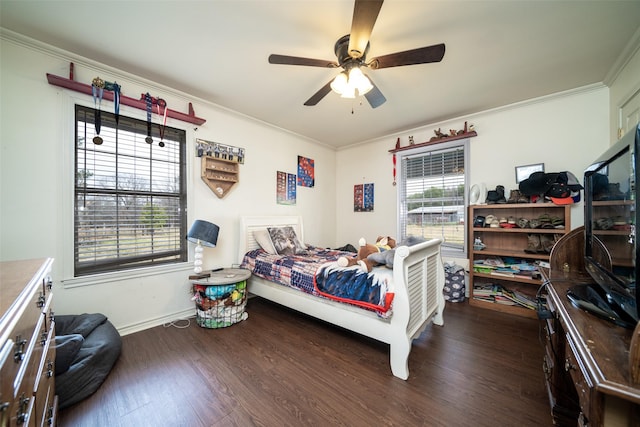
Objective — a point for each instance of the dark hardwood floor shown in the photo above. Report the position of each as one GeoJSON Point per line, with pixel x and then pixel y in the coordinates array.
{"type": "Point", "coordinates": [281, 368]}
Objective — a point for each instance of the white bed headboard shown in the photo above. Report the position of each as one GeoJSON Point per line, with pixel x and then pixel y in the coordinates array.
{"type": "Point", "coordinates": [250, 223]}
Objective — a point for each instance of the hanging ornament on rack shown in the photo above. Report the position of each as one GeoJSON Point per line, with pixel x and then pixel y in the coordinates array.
{"type": "Point", "coordinates": [149, 103]}
{"type": "Point", "coordinates": [394, 162]}
{"type": "Point", "coordinates": [97, 90]}
{"type": "Point", "coordinates": [162, 103]}
{"type": "Point", "coordinates": [115, 88]}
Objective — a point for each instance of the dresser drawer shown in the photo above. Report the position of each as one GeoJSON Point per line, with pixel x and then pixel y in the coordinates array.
{"type": "Point", "coordinates": [581, 380]}
{"type": "Point", "coordinates": [22, 411]}
{"type": "Point", "coordinates": [6, 383]}
{"type": "Point", "coordinates": [44, 386]}
{"type": "Point", "coordinates": [26, 336]}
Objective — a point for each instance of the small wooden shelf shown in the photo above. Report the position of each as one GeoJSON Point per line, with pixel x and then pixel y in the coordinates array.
{"type": "Point", "coordinates": [124, 100]}
{"type": "Point", "coordinates": [219, 174]}
{"type": "Point", "coordinates": [509, 278]}
{"type": "Point", "coordinates": [519, 230]}
{"type": "Point", "coordinates": [436, 141]}
{"type": "Point", "coordinates": [508, 253]}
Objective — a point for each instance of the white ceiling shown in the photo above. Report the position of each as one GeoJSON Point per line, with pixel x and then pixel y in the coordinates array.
{"type": "Point", "coordinates": [497, 53]}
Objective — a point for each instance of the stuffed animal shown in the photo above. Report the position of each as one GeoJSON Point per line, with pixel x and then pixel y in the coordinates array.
{"type": "Point", "coordinates": [382, 244]}
{"type": "Point", "coordinates": [386, 258]}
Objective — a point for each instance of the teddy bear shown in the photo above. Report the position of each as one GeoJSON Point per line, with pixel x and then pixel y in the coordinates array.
{"type": "Point", "coordinates": [382, 244]}
{"type": "Point", "coordinates": [386, 258]}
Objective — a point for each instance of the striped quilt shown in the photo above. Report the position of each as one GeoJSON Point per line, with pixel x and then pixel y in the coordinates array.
{"type": "Point", "coordinates": [317, 273]}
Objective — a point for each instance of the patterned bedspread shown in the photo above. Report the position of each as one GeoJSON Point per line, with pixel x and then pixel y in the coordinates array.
{"type": "Point", "coordinates": [318, 274]}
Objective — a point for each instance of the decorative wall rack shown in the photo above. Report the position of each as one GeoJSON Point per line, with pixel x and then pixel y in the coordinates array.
{"type": "Point", "coordinates": [436, 141]}
{"type": "Point", "coordinates": [124, 100]}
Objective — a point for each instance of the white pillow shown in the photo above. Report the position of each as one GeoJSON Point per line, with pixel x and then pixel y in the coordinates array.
{"type": "Point", "coordinates": [285, 241]}
{"type": "Point", "coordinates": [264, 240]}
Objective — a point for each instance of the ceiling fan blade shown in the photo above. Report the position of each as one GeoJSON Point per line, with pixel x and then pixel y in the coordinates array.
{"type": "Point", "coordinates": [296, 60]}
{"type": "Point", "coordinates": [421, 55]}
{"type": "Point", "coordinates": [365, 13]}
{"type": "Point", "coordinates": [374, 96]}
{"type": "Point", "coordinates": [317, 97]}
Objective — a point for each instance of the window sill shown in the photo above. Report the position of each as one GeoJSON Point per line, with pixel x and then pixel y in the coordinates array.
{"type": "Point", "coordinates": [99, 279]}
{"type": "Point", "coordinates": [452, 253]}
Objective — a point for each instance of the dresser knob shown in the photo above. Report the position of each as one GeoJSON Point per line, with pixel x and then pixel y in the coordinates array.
{"type": "Point", "coordinates": [22, 414]}
{"type": "Point", "coordinates": [50, 416]}
{"type": "Point", "coordinates": [41, 301]}
{"type": "Point", "coordinates": [18, 354]}
{"type": "Point", "coordinates": [568, 366]}
{"type": "Point", "coordinates": [4, 413]}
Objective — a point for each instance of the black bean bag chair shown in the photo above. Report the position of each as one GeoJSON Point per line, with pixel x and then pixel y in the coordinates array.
{"type": "Point", "coordinates": [87, 347]}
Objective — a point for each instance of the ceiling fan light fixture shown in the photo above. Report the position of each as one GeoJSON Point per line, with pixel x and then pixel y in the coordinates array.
{"type": "Point", "coordinates": [349, 92]}
{"type": "Point", "coordinates": [346, 83]}
{"type": "Point", "coordinates": [359, 81]}
{"type": "Point", "coordinates": [340, 83]}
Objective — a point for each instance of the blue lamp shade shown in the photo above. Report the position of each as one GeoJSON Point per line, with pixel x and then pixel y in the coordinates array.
{"type": "Point", "coordinates": [204, 233]}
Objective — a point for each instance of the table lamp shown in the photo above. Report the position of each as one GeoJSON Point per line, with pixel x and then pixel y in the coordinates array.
{"type": "Point", "coordinates": [202, 233]}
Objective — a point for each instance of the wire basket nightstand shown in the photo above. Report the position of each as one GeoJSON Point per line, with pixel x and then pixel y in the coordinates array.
{"type": "Point", "coordinates": [221, 299]}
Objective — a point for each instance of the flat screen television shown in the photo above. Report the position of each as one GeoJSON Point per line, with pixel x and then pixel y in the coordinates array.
{"type": "Point", "coordinates": [610, 217]}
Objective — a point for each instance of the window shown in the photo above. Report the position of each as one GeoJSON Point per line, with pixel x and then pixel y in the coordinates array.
{"type": "Point", "coordinates": [432, 189]}
{"type": "Point", "coordinates": [130, 196]}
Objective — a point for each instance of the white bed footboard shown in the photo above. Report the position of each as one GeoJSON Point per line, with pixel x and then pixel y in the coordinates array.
{"type": "Point", "coordinates": [418, 279]}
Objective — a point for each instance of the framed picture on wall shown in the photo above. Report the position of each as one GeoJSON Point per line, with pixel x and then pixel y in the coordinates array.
{"type": "Point", "coordinates": [523, 172]}
{"type": "Point", "coordinates": [363, 197]}
{"type": "Point", "coordinates": [285, 188]}
{"type": "Point", "coordinates": [306, 172]}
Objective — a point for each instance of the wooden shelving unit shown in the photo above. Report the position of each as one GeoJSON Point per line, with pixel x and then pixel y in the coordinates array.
{"type": "Point", "coordinates": [219, 174]}
{"type": "Point", "coordinates": [510, 242]}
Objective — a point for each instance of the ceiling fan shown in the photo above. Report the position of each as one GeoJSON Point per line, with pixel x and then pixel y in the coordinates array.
{"type": "Point", "coordinates": [351, 51]}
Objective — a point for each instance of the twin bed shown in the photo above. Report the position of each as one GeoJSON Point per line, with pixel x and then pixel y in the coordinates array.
{"type": "Point", "coordinates": [418, 281]}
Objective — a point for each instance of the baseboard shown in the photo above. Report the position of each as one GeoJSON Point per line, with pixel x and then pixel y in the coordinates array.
{"type": "Point", "coordinates": [152, 323]}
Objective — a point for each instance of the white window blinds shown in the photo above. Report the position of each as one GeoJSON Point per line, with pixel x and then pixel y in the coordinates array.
{"type": "Point", "coordinates": [130, 196]}
{"type": "Point", "coordinates": [432, 189]}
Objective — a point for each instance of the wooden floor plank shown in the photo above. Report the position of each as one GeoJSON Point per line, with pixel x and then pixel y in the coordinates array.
{"type": "Point", "coordinates": [281, 368]}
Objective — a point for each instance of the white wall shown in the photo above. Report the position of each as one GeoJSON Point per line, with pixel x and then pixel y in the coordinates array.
{"type": "Point", "coordinates": [36, 181]}
{"type": "Point", "coordinates": [626, 85]}
{"type": "Point", "coordinates": [565, 132]}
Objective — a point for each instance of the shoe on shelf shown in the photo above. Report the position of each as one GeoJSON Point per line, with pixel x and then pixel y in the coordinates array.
{"type": "Point", "coordinates": [513, 196]}
{"type": "Point", "coordinates": [500, 191]}
{"type": "Point", "coordinates": [547, 241]}
{"type": "Point", "coordinates": [544, 218]}
{"type": "Point", "coordinates": [534, 246]}
{"type": "Point", "coordinates": [557, 222]}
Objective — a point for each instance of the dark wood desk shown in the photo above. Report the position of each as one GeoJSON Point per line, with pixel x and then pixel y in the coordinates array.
{"type": "Point", "coordinates": [586, 359]}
